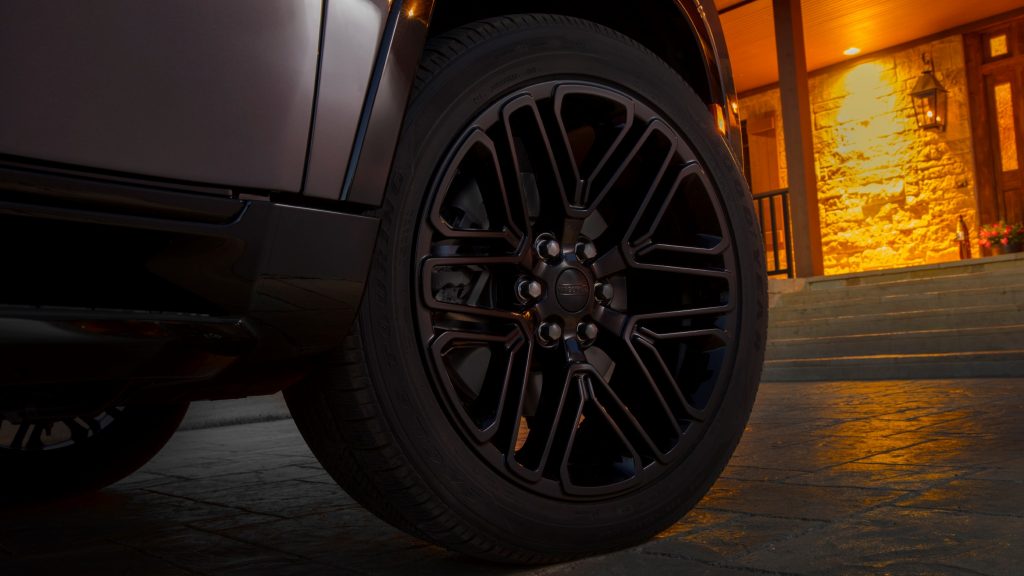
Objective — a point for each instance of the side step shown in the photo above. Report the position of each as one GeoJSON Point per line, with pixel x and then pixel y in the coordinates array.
{"type": "Point", "coordinates": [77, 345]}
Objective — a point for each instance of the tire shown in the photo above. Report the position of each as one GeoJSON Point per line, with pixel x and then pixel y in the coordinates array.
{"type": "Point", "coordinates": [529, 382]}
{"type": "Point", "coordinates": [55, 459]}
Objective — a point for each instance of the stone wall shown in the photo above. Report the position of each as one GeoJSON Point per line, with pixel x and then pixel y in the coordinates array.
{"type": "Point", "coordinates": [889, 193]}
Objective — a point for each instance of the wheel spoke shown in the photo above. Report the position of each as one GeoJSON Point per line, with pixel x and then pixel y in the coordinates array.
{"type": "Point", "coordinates": [612, 320]}
{"type": "Point", "coordinates": [474, 196]}
{"type": "Point", "coordinates": [688, 270]}
{"type": "Point", "coordinates": [610, 263]}
{"type": "Point", "coordinates": [613, 466]}
{"type": "Point", "coordinates": [531, 458]}
{"type": "Point", "coordinates": [479, 372]}
{"type": "Point", "coordinates": [701, 247]}
{"type": "Point", "coordinates": [686, 313]}
{"type": "Point", "coordinates": [669, 380]}
{"type": "Point", "coordinates": [721, 335]}
{"type": "Point", "coordinates": [654, 146]}
{"type": "Point", "coordinates": [78, 432]}
{"type": "Point", "coordinates": [19, 436]}
{"type": "Point", "coordinates": [653, 209]}
{"type": "Point", "coordinates": [624, 325]}
{"type": "Point", "coordinates": [627, 422]}
{"type": "Point", "coordinates": [35, 441]}
{"type": "Point", "coordinates": [649, 247]}
{"type": "Point", "coordinates": [593, 123]}
{"type": "Point", "coordinates": [655, 388]}
{"type": "Point", "coordinates": [538, 168]}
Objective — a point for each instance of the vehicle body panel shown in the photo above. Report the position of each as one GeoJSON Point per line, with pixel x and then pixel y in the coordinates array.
{"type": "Point", "coordinates": [149, 158]}
{"type": "Point", "coordinates": [216, 92]}
{"type": "Point", "coordinates": [119, 283]}
{"type": "Point", "coordinates": [352, 37]}
{"type": "Point", "coordinates": [370, 165]}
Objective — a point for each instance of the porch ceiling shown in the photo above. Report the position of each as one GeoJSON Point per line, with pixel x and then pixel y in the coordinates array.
{"type": "Point", "coordinates": [831, 26]}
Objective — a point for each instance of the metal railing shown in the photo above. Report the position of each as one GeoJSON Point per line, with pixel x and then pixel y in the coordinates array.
{"type": "Point", "coordinates": [773, 214]}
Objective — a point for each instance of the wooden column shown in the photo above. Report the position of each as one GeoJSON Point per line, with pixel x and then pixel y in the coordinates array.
{"type": "Point", "coordinates": [796, 121]}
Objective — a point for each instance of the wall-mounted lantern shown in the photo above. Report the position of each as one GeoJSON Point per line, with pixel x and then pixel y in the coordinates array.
{"type": "Point", "coordinates": [930, 99]}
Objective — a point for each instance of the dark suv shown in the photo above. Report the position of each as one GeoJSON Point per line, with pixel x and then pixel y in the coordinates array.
{"type": "Point", "coordinates": [498, 255]}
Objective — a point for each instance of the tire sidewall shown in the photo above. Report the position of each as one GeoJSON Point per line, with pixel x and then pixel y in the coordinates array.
{"type": "Point", "coordinates": [495, 67]}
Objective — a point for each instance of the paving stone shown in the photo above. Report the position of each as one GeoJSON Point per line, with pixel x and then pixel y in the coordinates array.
{"type": "Point", "coordinates": [880, 476]}
{"type": "Point", "coordinates": [893, 477]}
{"type": "Point", "coordinates": [826, 451]}
{"type": "Point", "coordinates": [740, 472]}
{"type": "Point", "coordinates": [996, 497]}
{"type": "Point", "coordinates": [698, 520]}
{"type": "Point", "coordinates": [945, 451]}
{"type": "Point", "coordinates": [350, 537]}
{"type": "Point", "coordinates": [738, 536]}
{"type": "Point", "coordinates": [631, 563]}
{"type": "Point", "coordinates": [282, 499]}
{"type": "Point", "coordinates": [1008, 470]}
{"type": "Point", "coordinates": [210, 553]}
{"type": "Point", "coordinates": [901, 541]}
{"type": "Point", "coordinates": [794, 500]}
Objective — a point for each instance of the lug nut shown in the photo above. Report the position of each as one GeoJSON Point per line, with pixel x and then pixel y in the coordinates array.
{"type": "Point", "coordinates": [604, 292]}
{"type": "Point", "coordinates": [586, 251]}
{"type": "Point", "coordinates": [549, 332]}
{"type": "Point", "coordinates": [587, 331]}
{"type": "Point", "coordinates": [528, 289]}
{"type": "Point", "coordinates": [548, 248]}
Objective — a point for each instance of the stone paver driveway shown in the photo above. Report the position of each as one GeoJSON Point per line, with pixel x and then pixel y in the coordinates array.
{"type": "Point", "coordinates": [902, 477]}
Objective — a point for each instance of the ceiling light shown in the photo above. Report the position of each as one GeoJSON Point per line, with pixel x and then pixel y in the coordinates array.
{"type": "Point", "coordinates": [852, 51]}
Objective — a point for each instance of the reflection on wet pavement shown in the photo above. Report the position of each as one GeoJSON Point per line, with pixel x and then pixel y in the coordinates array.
{"type": "Point", "coordinates": [900, 477]}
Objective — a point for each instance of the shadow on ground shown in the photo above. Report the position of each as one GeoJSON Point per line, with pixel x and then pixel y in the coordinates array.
{"type": "Point", "coordinates": [901, 477]}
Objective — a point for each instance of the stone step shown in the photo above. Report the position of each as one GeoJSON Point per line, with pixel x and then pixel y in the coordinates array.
{"type": "Point", "coordinates": [972, 339]}
{"type": "Point", "coordinates": [903, 320]}
{"type": "Point", "coordinates": [928, 299]}
{"type": "Point", "coordinates": [945, 283]}
{"type": "Point", "coordinates": [988, 364]}
{"type": "Point", "coordinates": [957, 319]}
{"type": "Point", "coordinates": [1005, 263]}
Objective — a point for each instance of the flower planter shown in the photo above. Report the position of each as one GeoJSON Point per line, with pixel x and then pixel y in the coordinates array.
{"type": "Point", "coordinates": [1002, 238]}
{"type": "Point", "coordinates": [998, 249]}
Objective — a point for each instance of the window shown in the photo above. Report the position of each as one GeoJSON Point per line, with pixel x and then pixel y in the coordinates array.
{"type": "Point", "coordinates": [1004, 125]}
{"type": "Point", "coordinates": [998, 46]}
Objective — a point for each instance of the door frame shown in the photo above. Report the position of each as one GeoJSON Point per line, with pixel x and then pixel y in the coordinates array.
{"type": "Point", "coordinates": [980, 66]}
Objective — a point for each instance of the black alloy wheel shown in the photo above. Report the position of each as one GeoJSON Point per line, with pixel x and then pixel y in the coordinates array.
{"type": "Point", "coordinates": [59, 457]}
{"type": "Point", "coordinates": [578, 298]}
{"type": "Point", "coordinates": [563, 330]}
{"type": "Point", "coordinates": [44, 435]}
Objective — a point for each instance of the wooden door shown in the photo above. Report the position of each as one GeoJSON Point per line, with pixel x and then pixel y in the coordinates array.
{"type": "Point", "coordinates": [995, 58]}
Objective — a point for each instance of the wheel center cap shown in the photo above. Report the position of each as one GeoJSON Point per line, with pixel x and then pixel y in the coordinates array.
{"type": "Point", "coordinates": [572, 290]}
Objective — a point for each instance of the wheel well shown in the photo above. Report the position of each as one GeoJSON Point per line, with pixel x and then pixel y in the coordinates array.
{"type": "Point", "coordinates": [657, 24]}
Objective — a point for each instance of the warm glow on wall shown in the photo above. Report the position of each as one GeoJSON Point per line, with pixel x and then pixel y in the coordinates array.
{"type": "Point", "coordinates": [868, 188]}
{"type": "Point", "coordinates": [870, 128]}
{"type": "Point", "coordinates": [890, 193]}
